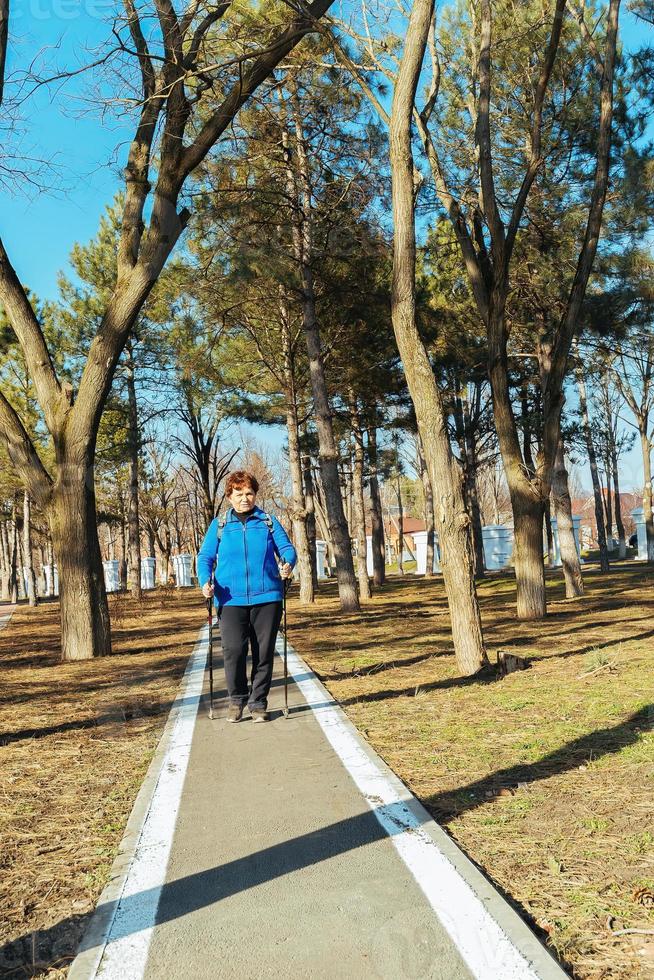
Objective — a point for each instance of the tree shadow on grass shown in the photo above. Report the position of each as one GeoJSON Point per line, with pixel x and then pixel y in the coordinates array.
{"type": "Point", "coordinates": [488, 675]}
{"type": "Point", "coordinates": [606, 741]}
{"type": "Point", "coordinates": [380, 667]}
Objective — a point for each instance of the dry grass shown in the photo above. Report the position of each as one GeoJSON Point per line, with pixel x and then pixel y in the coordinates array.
{"type": "Point", "coordinates": [75, 742]}
{"type": "Point", "coordinates": [545, 778]}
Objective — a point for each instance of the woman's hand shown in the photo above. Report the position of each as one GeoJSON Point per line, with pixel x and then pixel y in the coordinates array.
{"type": "Point", "coordinates": [286, 570]}
{"type": "Point", "coordinates": [207, 590]}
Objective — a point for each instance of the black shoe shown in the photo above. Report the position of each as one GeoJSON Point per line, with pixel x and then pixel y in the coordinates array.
{"type": "Point", "coordinates": [235, 712]}
{"type": "Point", "coordinates": [259, 715]}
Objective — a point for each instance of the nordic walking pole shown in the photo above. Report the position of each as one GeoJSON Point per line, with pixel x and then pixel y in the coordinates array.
{"type": "Point", "coordinates": [210, 616]}
{"type": "Point", "coordinates": [286, 588]}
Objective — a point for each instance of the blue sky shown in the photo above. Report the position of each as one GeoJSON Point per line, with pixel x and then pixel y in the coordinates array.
{"type": "Point", "coordinates": [40, 228]}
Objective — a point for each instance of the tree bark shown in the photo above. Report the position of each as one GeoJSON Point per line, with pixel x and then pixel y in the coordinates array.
{"type": "Point", "coordinates": [574, 583]}
{"type": "Point", "coordinates": [376, 516]}
{"type": "Point", "coordinates": [28, 564]}
{"type": "Point", "coordinates": [527, 494]}
{"type": "Point", "coordinates": [85, 627]}
{"type": "Point", "coordinates": [310, 506]}
{"type": "Point", "coordinates": [134, 573]}
{"type": "Point", "coordinates": [451, 517]}
{"type": "Point", "coordinates": [358, 509]}
{"type": "Point", "coordinates": [592, 462]}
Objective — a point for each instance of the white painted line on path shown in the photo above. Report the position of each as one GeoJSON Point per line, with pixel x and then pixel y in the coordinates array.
{"type": "Point", "coordinates": [488, 951]}
{"type": "Point", "coordinates": [124, 949]}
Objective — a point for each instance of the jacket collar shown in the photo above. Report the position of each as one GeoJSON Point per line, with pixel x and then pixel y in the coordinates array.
{"type": "Point", "coordinates": [231, 513]}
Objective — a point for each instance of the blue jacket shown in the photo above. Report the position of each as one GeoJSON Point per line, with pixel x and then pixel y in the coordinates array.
{"type": "Point", "coordinates": [244, 558]}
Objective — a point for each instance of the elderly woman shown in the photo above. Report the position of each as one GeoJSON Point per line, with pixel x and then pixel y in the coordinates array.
{"type": "Point", "coordinates": [251, 554]}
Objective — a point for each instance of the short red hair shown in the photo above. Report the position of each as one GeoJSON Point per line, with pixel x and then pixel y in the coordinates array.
{"type": "Point", "coordinates": [239, 479]}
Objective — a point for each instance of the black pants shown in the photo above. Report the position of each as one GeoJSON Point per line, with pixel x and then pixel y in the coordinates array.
{"type": "Point", "coordinates": [256, 625]}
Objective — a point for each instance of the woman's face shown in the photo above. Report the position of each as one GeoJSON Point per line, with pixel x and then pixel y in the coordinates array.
{"type": "Point", "coordinates": [242, 499]}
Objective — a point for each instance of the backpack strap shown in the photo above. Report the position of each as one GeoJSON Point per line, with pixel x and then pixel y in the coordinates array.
{"type": "Point", "coordinates": [221, 524]}
{"type": "Point", "coordinates": [219, 529]}
{"type": "Point", "coordinates": [269, 524]}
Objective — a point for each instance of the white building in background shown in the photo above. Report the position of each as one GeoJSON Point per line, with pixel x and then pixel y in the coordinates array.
{"type": "Point", "coordinates": [111, 575]}
{"type": "Point", "coordinates": [498, 546]}
{"type": "Point", "coordinates": [321, 559]}
{"type": "Point", "coordinates": [420, 541]}
{"type": "Point", "coordinates": [183, 567]}
{"type": "Point", "coordinates": [638, 516]}
{"type": "Point", "coordinates": [148, 566]}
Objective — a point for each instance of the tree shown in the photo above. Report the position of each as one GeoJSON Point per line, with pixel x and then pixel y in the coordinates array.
{"type": "Point", "coordinates": [451, 516]}
{"type": "Point", "coordinates": [177, 126]}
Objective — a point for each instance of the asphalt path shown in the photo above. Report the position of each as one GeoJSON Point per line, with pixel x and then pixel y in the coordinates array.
{"type": "Point", "coordinates": [279, 865]}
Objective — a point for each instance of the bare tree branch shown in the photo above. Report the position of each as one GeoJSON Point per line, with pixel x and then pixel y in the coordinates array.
{"type": "Point", "coordinates": [202, 29]}
{"type": "Point", "coordinates": [30, 336]}
{"type": "Point", "coordinates": [483, 138]}
{"type": "Point", "coordinates": [148, 75]}
{"type": "Point", "coordinates": [359, 74]}
{"type": "Point", "coordinates": [457, 218]}
{"type": "Point", "coordinates": [22, 454]}
{"type": "Point", "coordinates": [170, 29]}
{"type": "Point", "coordinates": [261, 69]}
{"type": "Point", "coordinates": [535, 160]}
{"type": "Point", "coordinates": [578, 12]}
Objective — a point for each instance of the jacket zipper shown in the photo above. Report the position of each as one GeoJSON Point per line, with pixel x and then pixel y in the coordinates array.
{"type": "Point", "coordinates": [245, 545]}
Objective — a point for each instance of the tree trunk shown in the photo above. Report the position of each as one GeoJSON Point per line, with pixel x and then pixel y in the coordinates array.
{"type": "Point", "coordinates": [299, 513]}
{"type": "Point", "coordinates": [451, 517]}
{"type": "Point", "coordinates": [472, 496]}
{"type": "Point", "coordinates": [647, 493]}
{"type": "Point", "coordinates": [527, 497]}
{"type": "Point", "coordinates": [134, 577]}
{"type": "Point", "coordinates": [149, 533]}
{"type": "Point", "coordinates": [608, 505]}
{"type": "Point", "coordinates": [622, 539]}
{"type": "Point", "coordinates": [358, 509]}
{"type": "Point", "coordinates": [51, 562]}
{"type": "Point", "coordinates": [13, 555]}
{"type": "Point", "coordinates": [574, 583]}
{"type": "Point", "coordinates": [328, 461]}
{"type": "Point", "coordinates": [85, 629]}
{"type": "Point", "coordinates": [376, 516]}
{"type": "Point", "coordinates": [310, 507]}
{"type": "Point", "coordinates": [592, 462]}
{"type": "Point", "coordinates": [28, 564]}
{"type": "Point", "coordinates": [428, 494]}
{"type": "Point", "coordinates": [4, 563]}
{"type": "Point", "coordinates": [328, 452]}
{"type": "Point", "coordinates": [528, 512]}
{"type": "Point", "coordinates": [400, 527]}
{"type": "Point", "coordinates": [298, 506]}
{"type": "Point", "coordinates": [548, 532]}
